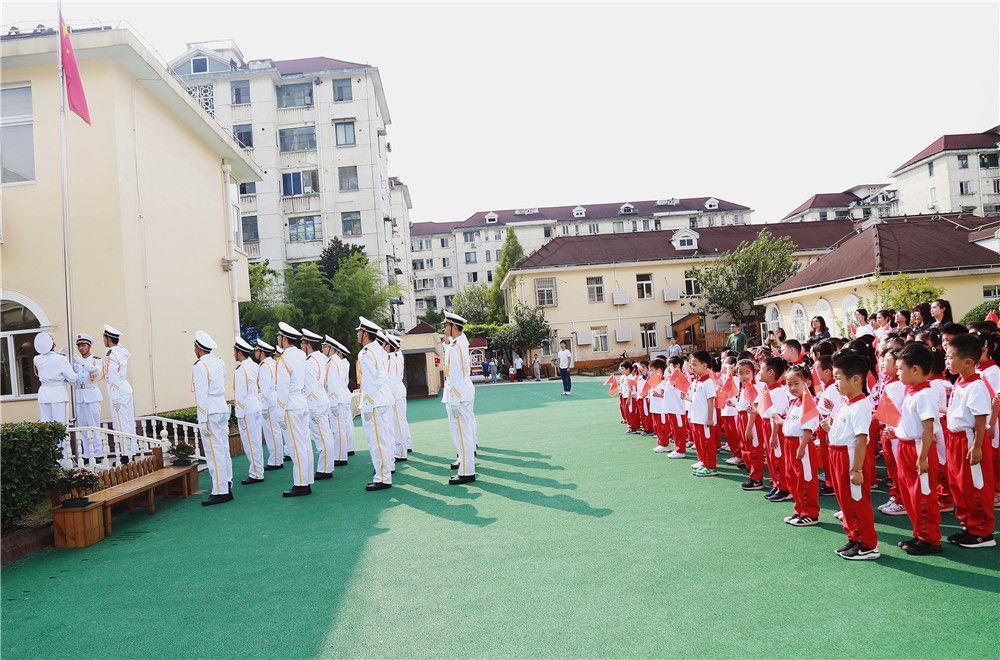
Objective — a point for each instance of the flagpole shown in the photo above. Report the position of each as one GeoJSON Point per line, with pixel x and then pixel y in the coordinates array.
{"type": "Point", "coordinates": [65, 198]}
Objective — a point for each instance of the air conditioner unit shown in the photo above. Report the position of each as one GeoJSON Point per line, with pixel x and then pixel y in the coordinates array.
{"type": "Point", "coordinates": [619, 298]}
{"type": "Point", "coordinates": [623, 334]}
{"type": "Point", "coordinates": [584, 337]}
{"type": "Point", "coordinates": [671, 295]}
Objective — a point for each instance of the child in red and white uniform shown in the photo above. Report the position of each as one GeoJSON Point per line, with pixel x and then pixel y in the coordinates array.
{"type": "Point", "coordinates": [633, 392]}
{"type": "Point", "coordinates": [917, 463]}
{"type": "Point", "coordinates": [848, 437]}
{"type": "Point", "coordinates": [638, 399]}
{"type": "Point", "coordinates": [657, 407]}
{"type": "Point", "coordinates": [990, 373]}
{"type": "Point", "coordinates": [676, 411]}
{"type": "Point", "coordinates": [942, 388]}
{"type": "Point", "coordinates": [828, 401]}
{"type": "Point", "coordinates": [623, 395]}
{"type": "Point", "coordinates": [772, 375]}
{"type": "Point", "coordinates": [727, 413]}
{"type": "Point", "coordinates": [702, 414]}
{"type": "Point", "coordinates": [800, 452]}
{"type": "Point", "coordinates": [750, 424]}
{"type": "Point", "coordinates": [895, 390]}
{"type": "Point", "coordinates": [969, 450]}
{"type": "Point", "coordinates": [644, 413]}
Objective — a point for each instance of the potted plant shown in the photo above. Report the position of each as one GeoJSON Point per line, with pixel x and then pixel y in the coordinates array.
{"type": "Point", "coordinates": [182, 453]}
{"type": "Point", "coordinates": [69, 481]}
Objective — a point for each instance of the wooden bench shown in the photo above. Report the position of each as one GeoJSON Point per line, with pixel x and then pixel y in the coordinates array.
{"type": "Point", "coordinates": [135, 484]}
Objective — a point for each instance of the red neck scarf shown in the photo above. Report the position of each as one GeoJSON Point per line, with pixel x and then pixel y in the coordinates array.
{"type": "Point", "coordinates": [913, 389]}
{"type": "Point", "coordinates": [963, 380]}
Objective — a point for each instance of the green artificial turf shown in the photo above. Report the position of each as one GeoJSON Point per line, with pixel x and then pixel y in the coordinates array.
{"type": "Point", "coordinates": [576, 541]}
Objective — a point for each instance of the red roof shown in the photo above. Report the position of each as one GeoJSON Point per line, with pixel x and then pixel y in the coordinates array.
{"type": "Point", "coordinates": [825, 201]}
{"type": "Point", "coordinates": [431, 228]}
{"type": "Point", "coordinates": [422, 328]}
{"type": "Point", "coordinates": [313, 64]}
{"type": "Point", "coordinates": [898, 245]}
{"type": "Point", "coordinates": [603, 211]}
{"type": "Point", "coordinates": [656, 245]}
{"type": "Point", "coordinates": [984, 140]}
{"type": "Point", "coordinates": [478, 342]}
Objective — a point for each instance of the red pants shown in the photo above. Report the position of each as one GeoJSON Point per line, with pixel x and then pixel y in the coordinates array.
{"type": "Point", "coordinates": [804, 491]}
{"type": "Point", "coordinates": [996, 464]}
{"type": "Point", "coordinates": [705, 446]}
{"type": "Point", "coordinates": [973, 506]}
{"type": "Point", "coordinates": [925, 516]}
{"type": "Point", "coordinates": [623, 407]}
{"type": "Point", "coordinates": [732, 433]}
{"type": "Point", "coordinates": [890, 464]}
{"type": "Point", "coordinates": [678, 426]}
{"type": "Point", "coordinates": [633, 415]}
{"type": "Point", "coordinates": [662, 429]}
{"type": "Point", "coordinates": [824, 457]}
{"type": "Point", "coordinates": [859, 519]}
{"type": "Point", "coordinates": [752, 456]}
{"type": "Point", "coordinates": [775, 464]}
{"type": "Point", "coordinates": [647, 417]}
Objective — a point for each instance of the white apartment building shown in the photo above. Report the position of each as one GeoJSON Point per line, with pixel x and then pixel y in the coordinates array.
{"type": "Point", "coordinates": [317, 127]}
{"type": "Point", "coordinates": [404, 314]}
{"type": "Point", "coordinates": [433, 264]}
{"type": "Point", "coordinates": [857, 203]}
{"type": "Point", "coordinates": [954, 174]}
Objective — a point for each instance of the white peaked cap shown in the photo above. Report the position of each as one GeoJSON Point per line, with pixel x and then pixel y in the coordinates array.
{"type": "Point", "coordinates": [112, 331]}
{"type": "Point", "coordinates": [264, 346]}
{"type": "Point", "coordinates": [450, 317]}
{"type": "Point", "coordinates": [43, 343]}
{"type": "Point", "coordinates": [242, 344]}
{"type": "Point", "coordinates": [84, 338]}
{"type": "Point", "coordinates": [288, 331]}
{"type": "Point", "coordinates": [340, 347]}
{"type": "Point", "coordinates": [311, 336]}
{"type": "Point", "coordinates": [370, 326]}
{"type": "Point", "coordinates": [204, 341]}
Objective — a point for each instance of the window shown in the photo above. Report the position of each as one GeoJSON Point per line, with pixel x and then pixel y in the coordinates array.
{"type": "Point", "coordinates": [989, 161]}
{"type": "Point", "coordinates": [930, 168]}
{"type": "Point", "coordinates": [686, 242]}
{"type": "Point", "coordinates": [469, 236]}
{"type": "Point", "coordinates": [964, 187]}
{"type": "Point", "coordinates": [249, 188]}
{"type": "Point", "coordinates": [448, 299]}
{"type": "Point", "coordinates": [199, 65]}
{"type": "Point", "coordinates": [445, 242]}
{"type": "Point", "coordinates": [963, 162]}
{"type": "Point", "coordinates": [240, 90]}
{"type": "Point", "coordinates": [996, 186]}
{"type": "Point", "coordinates": [773, 317]}
{"type": "Point", "coordinates": [498, 235]}
{"type": "Point", "coordinates": [991, 292]}
{"type": "Point", "coordinates": [618, 226]}
{"type": "Point", "coordinates": [470, 257]}
{"type": "Point", "coordinates": [342, 90]}
{"type": "Point", "coordinates": [645, 224]}
{"type": "Point", "coordinates": [933, 195]}
{"type": "Point", "coordinates": [593, 228]}
{"type": "Point", "coordinates": [822, 215]}
{"type": "Point", "coordinates": [472, 278]}
{"type": "Point", "coordinates": [445, 262]}
{"type": "Point", "coordinates": [446, 282]}
{"type": "Point", "coordinates": [691, 287]}
{"type": "Point", "coordinates": [848, 306]}
{"type": "Point", "coordinates": [799, 323]}
{"type": "Point", "coordinates": [306, 228]}
{"type": "Point", "coordinates": [577, 229]}
{"type": "Point", "coordinates": [17, 150]}
{"type": "Point", "coordinates": [244, 135]}
{"type": "Point", "coordinates": [345, 133]}
{"type": "Point", "coordinates": [351, 223]}
{"type": "Point", "coordinates": [693, 222]}
{"type": "Point", "coordinates": [545, 291]}
{"type": "Point", "coordinates": [299, 183]}
{"type": "Point", "coordinates": [565, 230]}
{"type": "Point", "coordinates": [547, 231]}
{"type": "Point", "coordinates": [423, 284]}
{"type": "Point", "coordinates": [489, 276]}
{"type": "Point", "coordinates": [18, 327]}
{"type": "Point", "coordinates": [600, 339]}
{"type": "Point", "coordinates": [967, 209]}
{"type": "Point", "coordinates": [432, 302]}
{"type": "Point", "coordinates": [656, 224]}
{"type": "Point", "coordinates": [489, 257]}
{"type": "Point", "coordinates": [297, 139]}
{"type": "Point", "coordinates": [647, 335]}
{"type": "Point", "coordinates": [250, 234]}
{"type": "Point", "coordinates": [348, 177]}
{"type": "Point", "coordinates": [841, 215]}
{"type": "Point", "coordinates": [295, 96]}
{"type": "Point", "coordinates": [420, 303]}
{"type": "Point", "coordinates": [644, 286]}
{"type": "Point", "coordinates": [496, 253]}
{"type": "Point", "coordinates": [595, 289]}
{"type": "Point", "coordinates": [425, 244]}
{"type": "Point", "coordinates": [418, 264]}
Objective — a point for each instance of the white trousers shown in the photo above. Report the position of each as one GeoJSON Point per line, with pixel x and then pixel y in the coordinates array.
{"type": "Point", "coordinates": [297, 428]}
{"type": "Point", "coordinates": [272, 436]}
{"type": "Point", "coordinates": [463, 433]}
{"type": "Point", "coordinates": [319, 425]}
{"type": "Point", "coordinates": [57, 412]}
{"type": "Point", "coordinates": [92, 443]}
{"type": "Point", "coordinates": [215, 441]}
{"type": "Point", "coordinates": [123, 420]}
{"type": "Point", "coordinates": [250, 435]}
{"type": "Point", "coordinates": [379, 443]}
{"type": "Point", "coordinates": [404, 441]}
{"type": "Point", "coordinates": [347, 419]}
{"type": "Point", "coordinates": [338, 432]}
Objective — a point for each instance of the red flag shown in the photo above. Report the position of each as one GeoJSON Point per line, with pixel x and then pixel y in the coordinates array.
{"type": "Point", "coordinates": [715, 377]}
{"type": "Point", "coordinates": [817, 381]}
{"type": "Point", "coordinates": [74, 86]}
{"type": "Point", "coordinates": [614, 388]}
{"type": "Point", "coordinates": [725, 393]}
{"type": "Point", "coordinates": [851, 328]}
{"type": "Point", "coordinates": [871, 381]}
{"type": "Point", "coordinates": [652, 381]}
{"type": "Point", "coordinates": [678, 380]}
{"type": "Point", "coordinates": [809, 409]}
{"type": "Point", "coordinates": [611, 379]}
{"type": "Point", "coordinates": [887, 412]}
{"type": "Point", "coordinates": [992, 316]}
{"type": "Point", "coordinates": [764, 401]}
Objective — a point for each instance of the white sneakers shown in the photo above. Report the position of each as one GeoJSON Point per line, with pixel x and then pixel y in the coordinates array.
{"type": "Point", "coordinates": [660, 449]}
{"type": "Point", "coordinates": [675, 454]}
{"type": "Point", "coordinates": [695, 466]}
{"type": "Point", "coordinates": [892, 508]}
{"type": "Point", "coordinates": [734, 460]}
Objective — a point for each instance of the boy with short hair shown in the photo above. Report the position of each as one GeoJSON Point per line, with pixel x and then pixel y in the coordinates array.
{"type": "Point", "coordinates": [791, 351]}
{"type": "Point", "coordinates": [917, 461]}
{"type": "Point", "coordinates": [702, 414]}
{"type": "Point", "coordinates": [772, 375]}
{"type": "Point", "coordinates": [657, 409]}
{"type": "Point", "coordinates": [673, 404]}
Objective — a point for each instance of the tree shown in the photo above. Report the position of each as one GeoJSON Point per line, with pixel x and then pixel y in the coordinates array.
{"type": "Point", "coordinates": [532, 328]}
{"type": "Point", "coordinates": [335, 253]}
{"type": "Point", "coordinates": [510, 254]}
{"type": "Point", "coordinates": [473, 303]}
{"type": "Point", "coordinates": [979, 312]}
{"type": "Point", "coordinates": [733, 281]}
{"type": "Point", "coordinates": [358, 290]}
{"type": "Point", "coordinates": [257, 313]}
{"type": "Point", "coordinates": [899, 291]}
{"type": "Point", "coordinates": [433, 317]}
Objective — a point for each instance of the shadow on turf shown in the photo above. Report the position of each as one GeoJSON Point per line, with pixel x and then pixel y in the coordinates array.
{"type": "Point", "coordinates": [512, 452]}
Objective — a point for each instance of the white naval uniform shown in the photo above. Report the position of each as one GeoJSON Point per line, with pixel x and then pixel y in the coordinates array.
{"type": "Point", "coordinates": [270, 412]}
{"type": "Point", "coordinates": [209, 377]}
{"type": "Point", "coordinates": [87, 396]}
{"type": "Point", "coordinates": [340, 406]}
{"type": "Point", "coordinates": [346, 407]}
{"type": "Point", "coordinates": [376, 405]}
{"type": "Point", "coordinates": [249, 418]}
{"type": "Point", "coordinates": [115, 374]}
{"type": "Point", "coordinates": [319, 411]}
{"type": "Point", "coordinates": [391, 432]}
{"type": "Point", "coordinates": [54, 373]}
{"type": "Point", "coordinates": [294, 418]}
{"type": "Point", "coordinates": [398, 389]}
{"type": "Point", "coordinates": [460, 396]}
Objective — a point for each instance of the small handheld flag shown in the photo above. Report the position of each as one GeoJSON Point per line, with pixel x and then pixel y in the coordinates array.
{"type": "Point", "coordinates": [871, 381]}
{"type": "Point", "coordinates": [651, 382]}
{"type": "Point", "coordinates": [611, 379]}
{"type": "Point", "coordinates": [809, 409]}
{"type": "Point", "coordinates": [992, 316]}
{"type": "Point", "coordinates": [887, 412]}
{"type": "Point", "coordinates": [725, 393]}
{"type": "Point", "coordinates": [817, 381]}
{"type": "Point", "coordinates": [764, 402]}
{"type": "Point", "coordinates": [678, 380]}
{"type": "Point", "coordinates": [614, 388]}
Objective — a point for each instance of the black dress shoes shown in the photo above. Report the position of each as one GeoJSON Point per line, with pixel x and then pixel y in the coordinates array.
{"type": "Point", "coordinates": [350, 453]}
{"type": "Point", "coordinates": [268, 468]}
{"type": "Point", "coordinates": [456, 465]}
{"type": "Point", "coordinates": [322, 476]}
{"type": "Point", "coordinates": [398, 459]}
{"type": "Point", "coordinates": [251, 480]}
{"type": "Point", "coordinates": [377, 486]}
{"type": "Point", "coordinates": [339, 463]}
{"type": "Point", "coordinates": [217, 499]}
{"type": "Point", "coordinates": [297, 491]}
{"type": "Point", "coordinates": [459, 479]}
{"type": "Point", "coordinates": [288, 458]}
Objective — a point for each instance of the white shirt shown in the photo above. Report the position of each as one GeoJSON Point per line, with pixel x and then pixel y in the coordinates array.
{"type": "Point", "coordinates": [863, 330]}
{"type": "Point", "coordinates": [656, 403]}
{"type": "Point", "coordinates": [209, 375]}
{"type": "Point", "coordinates": [116, 372]}
{"type": "Point", "coordinates": [853, 419]}
{"type": "Point", "coordinates": [968, 401]}
{"type": "Point", "coordinates": [831, 400]}
{"type": "Point", "coordinates": [86, 390]}
{"type": "Point", "coordinates": [742, 403]}
{"type": "Point", "coordinates": [54, 372]}
{"type": "Point", "coordinates": [918, 407]}
{"type": "Point", "coordinates": [373, 374]}
{"type": "Point", "coordinates": [793, 426]}
{"type": "Point", "coordinates": [266, 380]}
{"type": "Point", "coordinates": [247, 396]}
{"type": "Point", "coordinates": [779, 404]}
{"type": "Point", "coordinates": [457, 370]}
{"type": "Point", "coordinates": [290, 379]}
{"type": "Point", "coordinates": [518, 363]}
{"type": "Point", "coordinates": [702, 391]}
{"type": "Point", "coordinates": [314, 383]}
{"type": "Point", "coordinates": [672, 401]}
{"type": "Point", "coordinates": [564, 359]}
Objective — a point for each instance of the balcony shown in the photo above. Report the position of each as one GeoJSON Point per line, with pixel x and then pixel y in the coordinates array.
{"type": "Point", "coordinates": [252, 248]}
{"type": "Point", "coordinates": [297, 115]}
{"type": "Point", "coordinates": [300, 203]}
{"type": "Point", "coordinates": [240, 113]}
{"type": "Point", "coordinates": [248, 203]}
{"type": "Point", "coordinates": [304, 159]}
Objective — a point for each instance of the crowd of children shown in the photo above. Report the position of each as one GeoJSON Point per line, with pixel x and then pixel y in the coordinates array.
{"type": "Point", "coordinates": [816, 417]}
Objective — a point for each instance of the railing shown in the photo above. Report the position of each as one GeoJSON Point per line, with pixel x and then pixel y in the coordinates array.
{"type": "Point", "coordinates": [240, 113]}
{"type": "Point", "coordinates": [106, 447]}
{"type": "Point", "coordinates": [252, 248]}
{"type": "Point", "coordinates": [248, 202]}
{"type": "Point", "coordinates": [171, 431]}
{"type": "Point", "coordinates": [300, 203]}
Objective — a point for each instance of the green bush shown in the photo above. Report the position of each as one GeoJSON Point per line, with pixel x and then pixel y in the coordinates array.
{"type": "Point", "coordinates": [979, 312]}
{"type": "Point", "coordinates": [481, 330]}
{"type": "Point", "coordinates": [29, 460]}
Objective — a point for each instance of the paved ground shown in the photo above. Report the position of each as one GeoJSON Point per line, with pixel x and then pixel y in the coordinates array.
{"type": "Point", "coordinates": [577, 541]}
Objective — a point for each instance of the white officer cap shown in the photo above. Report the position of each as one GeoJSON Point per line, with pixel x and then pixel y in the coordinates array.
{"type": "Point", "coordinates": [264, 346]}
{"type": "Point", "coordinates": [340, 347]}
{"type": "Point", "coordinates": [112, 332]}
{"type": "Point", "coordinates": [368, 326]}
{"type": "Point", "coordinates": [311, 336]}
{"type": "Point", "coordinates": [288, 331]}
{"type": "Point", "coordinates": [84, 338]}
{"type": "Point", "coordinates": [450, 317]}
{"type": "Point", "coordinates": [380, 335]}
{"type": "Point", "coordinates": [279, 350]}
{"type": "Point", "coordinates": [203, 341]}
{"type": "Point", "coordinates": [43, 343]}
{"type": "Point", "coordinates": [243, 345]}
{"type": "Point", "coordinates": [329, 341]}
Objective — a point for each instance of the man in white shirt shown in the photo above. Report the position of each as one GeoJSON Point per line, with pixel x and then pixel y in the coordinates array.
{"type": "Point", "coordinates": [87, 396]}
{"type": "Point", "coordinates": [294, 420]}
{"type": "Point", "coordinates": [519, 368]}
{"type": "Point", "coordinates": [271, 413]}
{"type": "Point", "coordinates": [249, 418]}
{"type": "Point", "coordinates": [565, 362]}
{"type": "Point", "coordinates": [459, 396]}
{"type": "Point", "coordinates": [115, 375]}
{"type": "Point", "coordinates": [55, 373]}
{"type": "Point", "coordinates": [209, 378]}
{"type": "Point", "coordinates": [341, 417]}
{"type": "Point", "coordinates": [376, 403]}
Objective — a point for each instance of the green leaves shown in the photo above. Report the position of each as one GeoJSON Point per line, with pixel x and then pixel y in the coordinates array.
{"type": "Point", "coordinates": [473, 302]}
{"type": "Point", "coordinates": [899, 291]}
{"type": "Point", "coordinates": [510, 254]}
{"type": "Point", "coordinates": [29, 455]}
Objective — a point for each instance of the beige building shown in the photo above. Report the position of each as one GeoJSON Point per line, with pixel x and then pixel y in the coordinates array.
{"type": "Point", "coordinates": [942, 247]}
{"type": "Point", "coordinates": [629, 293]}
{"type": "Point", "coordinates": [154, 213]}
{"type": "Point", "coordinates": [434, 264]}
{"type": "Point", "coordinates": [858, 203]}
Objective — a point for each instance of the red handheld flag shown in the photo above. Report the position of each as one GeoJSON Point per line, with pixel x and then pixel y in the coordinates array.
{"type": "Point", "coordinates": [652, 381]}
{"type": "Point", "coordinates": [809, 409]}
{"type": "Point", "coordinates": [817, 381]}
{"type": "Point", "coordinates": [725, 393]}
{"type": "Point", "coordinates": [610, 379]}
{"type": "Point", "coordinates": [992, 316]}
{"type": "Point", "coordinates": [871, 381]}
{"type": "Point", "coordinates": [678, 380]}
{"type": "Point", "coordinates": [75, 97]}
{"type": "Point", "coordinates": [887, 412]}
{"type": "Point", "coordinates": [614, 388]}
{"type": "Point", "coordinates": [764, 402]}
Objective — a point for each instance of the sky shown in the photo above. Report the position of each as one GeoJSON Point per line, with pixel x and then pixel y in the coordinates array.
{"type": "Point", "coordinates": [499, 106]}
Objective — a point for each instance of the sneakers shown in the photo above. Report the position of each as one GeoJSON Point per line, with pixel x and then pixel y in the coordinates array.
{"type": "Point", "coordinates": [839, 515]}
{"type": "Point", "coordinates": [893, 509]}
{"type": "Point", "coordinates": [769, 494]}
{"type": "Point", "coordinates": [751, 484]}
{"type": "Point", "coordinates": [803, 521]}
{"type": "Point", "coordinates": [696, 466]}
{"type": "Point", "coordinates": [631, 432]}
{"type": "Point", "coordinates": [704, 472]}
{"type": "Point", "coordinates": [789, 519]}
{"type": "Point", "coordinates": [780, 496]}
{"type": "Point", "coordinates": [660, 449]}
{"type": "Point", "coordinates": [826, 491]}
{"type": "Point", "coordinates": [676, 454]}
{"type": "Point", "coordinates": [725, 447]}
{"type": "Point", "coordinates": [967, 540]}
{"type": "Point", "coordinates": [734, 460]}
{"type": "Point", "coordinates": [847, 546]}
{"type": "Point", "coordinates": [920, 547]}
{"type": "Point", "coordinates": [858, 552]}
